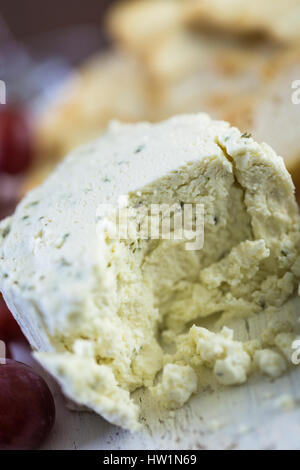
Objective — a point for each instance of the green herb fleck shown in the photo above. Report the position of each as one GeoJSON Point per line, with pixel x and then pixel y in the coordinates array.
{"type": "Point", "coordinates": [246, 135]}
{"type": "Point", "coordinates": [31, 204]}
{"type": "Point", "coordinates": [139, 148]}
{"type": "Point", "coordinates": [5, 231]}
{"type": "Point", "coordinates": [64, 262]}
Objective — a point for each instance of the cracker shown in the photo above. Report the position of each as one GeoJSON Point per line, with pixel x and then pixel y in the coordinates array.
{"type": "Point", "coordinates": [279, 19]}
{"type": "Point", "coordinates": [180, 53]}
{"type": "Point", "coordinates": [134, 24]}
{"type": "Point", "coordinates": [211, 70]}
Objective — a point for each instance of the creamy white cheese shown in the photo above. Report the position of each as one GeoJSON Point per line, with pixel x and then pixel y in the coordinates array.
{"type": "Point", "coordinates": [177, 385]}
{"type": "Point", "coordinates": [99, 310]}
{"type": "Point", "coordinates": [270, 362]}
{"type": "Point", "coordinates": [228, 358]}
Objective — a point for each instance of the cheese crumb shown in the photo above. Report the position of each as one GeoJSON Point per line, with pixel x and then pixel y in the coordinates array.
{"type": "Point", "coordinates": [227, 357]}
{"type": "Point", "coordinates": [177, 385]}
{"type": "Point", "coordinates": [284, 342]}
{"type": "Point", "coordinates": [270, 362]}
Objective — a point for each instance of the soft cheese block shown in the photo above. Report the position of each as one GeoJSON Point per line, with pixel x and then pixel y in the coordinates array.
{"type": "Point", "coordinates": [108, 314]}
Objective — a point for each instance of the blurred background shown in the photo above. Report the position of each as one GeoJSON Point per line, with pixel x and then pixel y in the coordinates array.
{"type": "Point", "coordinates": [30, 19]}
{"type": "Point", "coordinates": [65, 31]}
{"type": "Point", "coordinates": [41, 46]}
{"type": "Point", "coordinates": [68, 67]}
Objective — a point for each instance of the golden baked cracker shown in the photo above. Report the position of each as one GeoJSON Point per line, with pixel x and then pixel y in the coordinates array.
{"type": "Point", "coordinates": [175, 54]}
{"type": "Point", "coordinates": [136, 23]}
{"type": "Point", "coordinates": [184, 52]}
{"type": "Point", "coordinates": [278, 19]}
{"type": "Point", "coordinates": [218, 66]}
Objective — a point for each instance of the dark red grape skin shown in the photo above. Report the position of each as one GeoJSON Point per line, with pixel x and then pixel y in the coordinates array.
{"type": "Point", "coordinates": [27, 410]}
{"type": "Point", "coordinates": [9, 328]}
{"type": "Point", "coordinates": [16, 150]}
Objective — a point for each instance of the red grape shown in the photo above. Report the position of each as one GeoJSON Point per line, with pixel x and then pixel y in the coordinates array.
{"type": "Point", "coordinates": [27, 410]}
{"type": "Point", "coordinates": [15, 141]}
{"type": "Point", "coordinates": [9, 328]}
